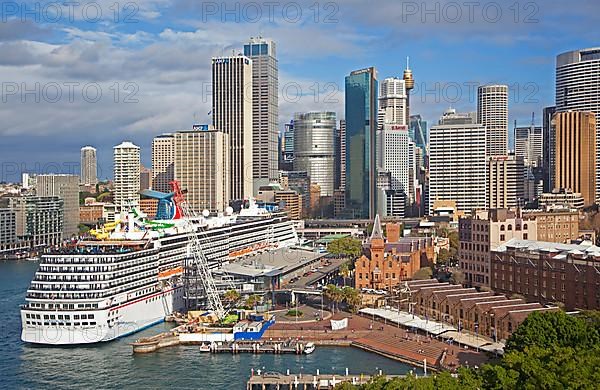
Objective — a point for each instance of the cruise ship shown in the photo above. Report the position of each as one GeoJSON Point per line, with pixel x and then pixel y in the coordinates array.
{"type": "Point", "coordinates": [130, 273]}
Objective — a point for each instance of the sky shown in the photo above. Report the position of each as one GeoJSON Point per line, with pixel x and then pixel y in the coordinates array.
{"type": "Point", "coordinates": [100, 72]}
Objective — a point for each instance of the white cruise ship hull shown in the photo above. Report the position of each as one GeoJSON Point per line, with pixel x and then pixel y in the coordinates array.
{"type": "Point", "coordinates": [110, 324]}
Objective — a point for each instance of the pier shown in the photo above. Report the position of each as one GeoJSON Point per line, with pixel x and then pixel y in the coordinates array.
{"type": "Point", "coordinates": [278, 381]}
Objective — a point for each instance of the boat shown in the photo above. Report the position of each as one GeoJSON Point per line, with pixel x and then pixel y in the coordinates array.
{"type": "Point", "coordinates": [205, 348]}
{"type": "Point", "coordinates": [309, 348]}
{"type": "Point", "coordinates": [130, 275]}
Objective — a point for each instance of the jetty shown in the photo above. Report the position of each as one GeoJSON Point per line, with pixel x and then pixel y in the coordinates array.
{"type": "Point", "coordinates": [279, 381]}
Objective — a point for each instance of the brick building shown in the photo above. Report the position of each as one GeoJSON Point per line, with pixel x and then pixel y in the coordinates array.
{"type": "Point", "coordinates": [385, 263]}
{"type": "Point", "coordinates": [548, 272]}
{"type": "Point", "coordinates": [483, 232]}
{"type": "Point", "coordinates": [556, 224]}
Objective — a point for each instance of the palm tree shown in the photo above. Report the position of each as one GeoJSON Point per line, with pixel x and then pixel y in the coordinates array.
{"type": "Point", "coordinates": [352, 298]}
{"type": "Point", "coordinates": [232, 296]}
{"type": "Point", "coordinates": [334, 294]}
{"type": "Point", "coordinates": [345, 272]}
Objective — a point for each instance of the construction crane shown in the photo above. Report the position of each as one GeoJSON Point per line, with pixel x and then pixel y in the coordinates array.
{"type": "Point", "coordinates": [200, 262]}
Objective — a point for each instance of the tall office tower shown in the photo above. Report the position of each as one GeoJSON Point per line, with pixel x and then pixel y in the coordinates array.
{"type": "Point", "coordinates": [232, 114]}
{"type": "Point", "coordinates": [492, 112]}
{"type": "Point", "coordinates": [418, 133]}
{"type": "Point", "coordinates": [457, 162]}
{"type": "Point", "coordinates": [163, 162]}
{"type": "Point", "coordinates": [343, 141]}
{"type": "Point", "coordinates": [126, 161]}
{"type": "Point", "coordinates": [549, 149]}
{"type": "Point", "coordinates": [337, 146]}
{"type": "Point", "coordinates": [409, 84]}
{"type": "Point", "coordinates": [505, 182]}
{"type": "Point", "coordinates": [529, 145]}
{"type": "Point", "coordinates": [89, 166]}
{"type": "Point", "coordinates": [288, 147]}
{"type": "Point", "coordinates": [202, 167]}
{"type": "Point", "coordinates": [575, 165]}
{"type": "Point", "coordinates": [395, 159]}
{"type": "Point", "coordinates": [145, 178]}
{"type": "Point", "coordinates": [65, 187]}
{"type": "Point", "coordinates": [578, 88]}
{"type": "Point", "coordinates": [361, 125]}
{"type": "Point", "coordinates": [392, 102]}
{"type": "Point", "coordinates": [314, 148]}
{"type": "Point", "coordinates": [265, 110]}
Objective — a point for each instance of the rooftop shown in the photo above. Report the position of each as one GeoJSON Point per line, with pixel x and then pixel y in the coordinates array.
{"type": "Point", "coordinates": [585, 247]}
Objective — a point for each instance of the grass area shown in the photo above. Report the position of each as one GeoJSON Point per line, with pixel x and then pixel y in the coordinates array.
{"type": "Point", "coordinates": [294, 313]}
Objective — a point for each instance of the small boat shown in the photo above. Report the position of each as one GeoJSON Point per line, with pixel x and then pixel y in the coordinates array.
{"type": "Point", "coordinates": [309, 348]}
{"type": "Point", "coordinates": [205, 348]}
{"type": "Point", "coordinates": [33, 258]}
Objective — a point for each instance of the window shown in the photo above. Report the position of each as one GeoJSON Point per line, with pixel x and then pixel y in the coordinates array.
{"type": "Point", "coordinates": [502, 228]}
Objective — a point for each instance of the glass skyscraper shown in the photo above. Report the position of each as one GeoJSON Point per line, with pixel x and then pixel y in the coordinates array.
{"type": "Point", "coordinates": [361, 126]}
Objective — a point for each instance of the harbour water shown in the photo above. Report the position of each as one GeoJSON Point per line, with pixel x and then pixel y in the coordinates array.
{"type": "Point", "coordinates": [112, 365]}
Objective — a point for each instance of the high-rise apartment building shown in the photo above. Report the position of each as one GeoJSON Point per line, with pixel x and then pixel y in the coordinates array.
{"type": "Point", "coordinates": [8, 230]}
{"type": "Point", "coordinates": [163, 160]}
{"type": "Point", "coordinates": [314, 148]}
{"type": "Point", "coordinates": [492, 112]}
{"type": "Point", "coordinates": [265, 110]}
{"type": "Point", "coordinates": [575, 153]}
{"type": "Point", "coordinates": [233, 115]}
{"type": "Point", "coordinates": [505, 182]}
{"type": "Point", "coordinates": [66, 187]}
{"type": "Point", "coordinates": [343, 141]}
{"type": "Point", "coordinates": [457, 162]}
{"type": "Point", "coordinates": [145, 178]}
{"type": "Point", "coordinates": [361, 126]}
{"type": "Point", "coordinates": [578, 89]}
{"type": "Point", "coordinates": [126, 162]}
{"type": "Point", "coordinates": [201, 167]}
{"type": "Point", "coordinates": [89, 166]}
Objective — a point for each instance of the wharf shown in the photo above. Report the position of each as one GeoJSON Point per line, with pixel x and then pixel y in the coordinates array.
{"type": "Point", "coordinates": [278, 381]}
{"type": "Point", "coordinates": [257, 347]}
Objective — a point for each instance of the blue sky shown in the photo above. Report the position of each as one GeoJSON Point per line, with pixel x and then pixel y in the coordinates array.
{"type": "Point", "coordinates": [151, 64]}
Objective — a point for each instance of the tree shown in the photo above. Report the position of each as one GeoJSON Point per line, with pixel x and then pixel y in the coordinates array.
{"type": "Point", "coordinates": [232, 296]}
{"type": "Point", "coordinates": [443, 256]}
{"type": "Point", "coordinates": [423, 273]}
{"type": "Point", "coordinates": [344, 271]}
{"type": "Point", "coordinates": [457, 277]}
{"type": "Point", "coordinates": [345, 246]}
{"type": "Point", "coordinates": [334, 294]}
{"type": "Point", "coordinates": [352, 298]}
{"type": "Point", "coordinates": [252, 300]}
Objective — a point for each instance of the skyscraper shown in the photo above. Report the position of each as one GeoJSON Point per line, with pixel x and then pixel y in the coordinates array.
{"type": "Point", "coordinates": [202, 167]}
{"type": "Point", "coordinates": [343, 140]}
{"type": "Point", "coordinates": [458, 162]}
{"type": "Point", "coordinates": [265, 109]}
{"type": "Point", "coordinates": [578, 88]}
{"type": "Point", "coordinates": [492, 112]}
{"type": "Point", "coordinates": [127, 175]}
{"type": "Point", "coordinates": [418, 133]}
{"type": "Point", "coordinates": [529, 145]}
{"type": "Point", "coordinates": [232, 114]}
{"type": "Point", "coordinates": [392, 102]}
{"type": "Point", "coordinates": [66, 187]}
{"type": "Point", "coordinates": [575, 168]}
{"type": "Point", "coordinates": [505, 182]}
{"type": "Point", "coordinates": [89, 168]}
{"type": "Point", "coordinates": [314, 148]}
{"type": "Point", "coordinates": [361, 126]}
{"type": "Point", "coordinates": [549, 148]}
{"type": "Point", "coordinates": [395, 159]}
{"type": "Point", "coordinates": [163, 160]}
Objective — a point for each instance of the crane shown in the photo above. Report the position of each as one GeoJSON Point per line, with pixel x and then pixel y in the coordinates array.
{"type": "Point", "coordinates": [200, 262]}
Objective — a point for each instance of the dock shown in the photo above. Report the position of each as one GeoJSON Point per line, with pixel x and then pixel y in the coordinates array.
{"type": "Point", "coordinates": [279, 381]}
{"type": "Point", "coordinates": [258, 347]}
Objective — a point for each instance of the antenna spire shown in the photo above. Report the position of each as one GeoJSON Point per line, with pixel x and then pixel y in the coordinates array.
{"type": "Point", "coordinates": [407, 63]}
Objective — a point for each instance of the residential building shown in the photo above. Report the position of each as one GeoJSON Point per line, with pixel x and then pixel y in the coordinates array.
{"type": "Point", "coordinates": [265, 109]}
{"type": "Point", "coordinates": [575, 156]}
{"type": "Point", "coordinates": [578, 89]}
{"type": "Point", "coordinates": [233, 114]}
{"type": "Point", "coordinates": [145, 178]}
{"type": "Point", "coordinates": [389, 261]}
{"type": "Point", "coordinates": [314, 150]}
{"type": "Point", "coordinates": [127, 175]}
{"type": "Point", "coordinates": [8, 230]}
{"type": "Point", "coordinates": [163, 162]}
{"type": "Point", "coordinates": [548, 273]}
{"type": "Point", "coordinates": [529, 144]}
{"type": "Point", "coordinates": [492, 112]}
{"type": "Point", "coordinates": [39, 219]}
{"type": "Point", "coordinates": [65, 187]}
{"type": "Point", "coordinates": [361, 125]}
{"type": "Point", "coordinates": [343, 140]}
{"type": "Point", "coordinates": [89, 166]}
{"type": "Point", "coordinates": [506, 188]}
{"type": "Point", "coordinates": [484, 232]}
{"type": "Point", "coordinates": [201, 167]}
{"type": "Point", "coordinates": [555, 224]}
{"type": "Point", "coordinates": [457, 162]}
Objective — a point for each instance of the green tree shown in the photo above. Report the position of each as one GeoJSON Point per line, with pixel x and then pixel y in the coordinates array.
{"type": "Point", "coordinates": [346, 246]}
{"type": "Point", "coordinates": [252, 300]}
{"type": "Point", "coordinates": [344, 272]}
{"type": "Point", "coordinates": [352, 298]}
{"type": "Point", "coordinates": [443, 256]}
{"type": "Point", "coordinates": [423, 273]}
{"type": "Point", "coordinates": [232, 296]}
{"type": "Point", "coordinates": [334, 294]}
